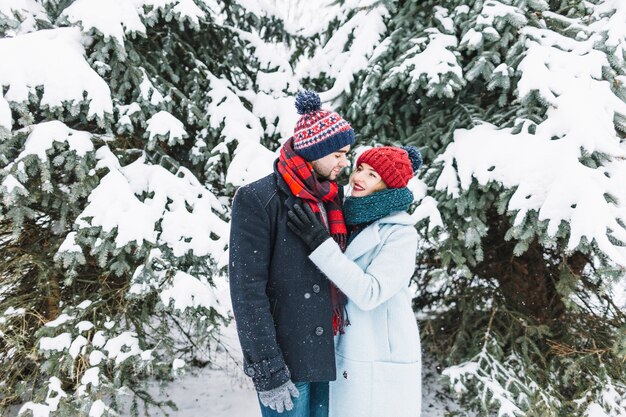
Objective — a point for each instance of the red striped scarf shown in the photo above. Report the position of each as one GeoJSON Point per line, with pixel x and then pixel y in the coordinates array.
{"type": "Point", "coordinates": [301, 180]}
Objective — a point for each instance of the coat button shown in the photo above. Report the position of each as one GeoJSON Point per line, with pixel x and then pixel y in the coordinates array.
{"type": "Point", "coordinates": [249, 371]}
{"type": "Point", "coordinates": [316, 288]}
{"type": "Point", "coordinates": [319, 331]}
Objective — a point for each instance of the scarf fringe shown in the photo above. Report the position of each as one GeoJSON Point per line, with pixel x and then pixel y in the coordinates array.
{"type": "Point", "coordinates": [340, 320]}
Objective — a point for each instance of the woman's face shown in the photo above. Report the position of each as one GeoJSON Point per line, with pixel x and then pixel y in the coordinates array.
{"type": "Point", "coordinates": [365, 181]}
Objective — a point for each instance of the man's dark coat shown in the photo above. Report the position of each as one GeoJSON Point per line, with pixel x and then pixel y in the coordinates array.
{"type": "Point", "coordinates": [281, 301]}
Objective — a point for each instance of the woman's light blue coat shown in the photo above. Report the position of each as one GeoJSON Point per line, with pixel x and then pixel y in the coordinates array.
{"type": "Point", "coordinates": [378, 357]}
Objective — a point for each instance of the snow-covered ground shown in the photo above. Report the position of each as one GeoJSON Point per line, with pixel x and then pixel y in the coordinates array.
{"type": "Point", "coordinates": [222, 390]}
{"type": "Point", "coordinates": [211, 392]}
{"type": "Point", "coordinates": [219, 392]}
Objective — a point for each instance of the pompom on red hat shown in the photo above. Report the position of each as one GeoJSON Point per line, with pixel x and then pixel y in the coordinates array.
{"type": "Point", "coordinates": [395, 165]}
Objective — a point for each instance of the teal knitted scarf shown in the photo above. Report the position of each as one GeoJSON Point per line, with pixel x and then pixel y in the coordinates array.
{"type": "Point", "coordinates": [359, 210]}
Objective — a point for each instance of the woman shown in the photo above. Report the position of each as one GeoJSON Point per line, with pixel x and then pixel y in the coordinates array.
{"type": "Point", "coordinates": [378, 355]}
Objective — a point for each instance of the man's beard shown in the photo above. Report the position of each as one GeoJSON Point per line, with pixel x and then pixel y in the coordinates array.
{"type": "Point", "coordinates": [324, 177]}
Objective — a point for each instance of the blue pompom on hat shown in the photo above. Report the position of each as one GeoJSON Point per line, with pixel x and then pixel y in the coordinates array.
{"type": "Point", "coordinates": [308, 101]}
{"type": "Point", "coordinates": [318, 132]}
{"type": "Point", "coordinates": [415, 156]}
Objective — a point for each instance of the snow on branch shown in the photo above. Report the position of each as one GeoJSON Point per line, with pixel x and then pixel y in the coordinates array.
{"type": "Point", "coordinates": [610, 18]}
{"type": "Point", "coordinates": [341, 58]}
{"type": "Point", "coordinates": [186, 291]}
{"type": "Point", "coordinates": [270, 56]}
{"type": "Point", "coordinates": [51, 404]}
{"type": "Point", "coordinates": [26, 12]}
{"type": "Point", "coordinates": [607, 400]}
{"type": "Point", "coordinates": [35, 151]}
{"type": "Point", "coordinates": [42, 136]}
{"type": "Point", "coordinates": [495, 14]}
{"type": "Point", "coordinates": [430, 64]}
{"type": "Point", "coordinates": [546, 168]}
{"type": "Point", "coordinates": [6, 120]}
{"type": "Point", "coordinates": [547, 176]}
{"type": "Point", "coordinates": [227, 108]}
{"type": "Point", "coordinates": [258, 7]}
{"type": "Point", "coordinates": [181, 10]}
{"type": "Point", "coordinates": [185, 210]}
{"type": "Point", "coordinates": [251, 162]}
{"type": "Point", "coordinates": [113, 18]}
{"type": "Point", "coordinates": [52, 59]}
{"type": "Point", "coordinates": [492, 22]}
{"type": "Point", "coordinates": [149, 93]}
{"type": "Point", "coordinates": [500, 383]}
{"type": "Point", "coordinates": [165, 125]}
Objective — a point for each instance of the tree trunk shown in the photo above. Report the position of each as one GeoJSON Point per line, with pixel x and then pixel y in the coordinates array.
{"type": "Point", "coordinates": [53, 298]}
{"type": "Point", "coordinates": [528, 282]}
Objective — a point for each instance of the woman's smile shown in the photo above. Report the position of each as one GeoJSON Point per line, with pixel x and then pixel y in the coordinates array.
{"type": "Point", "coordinates": [365, 181]}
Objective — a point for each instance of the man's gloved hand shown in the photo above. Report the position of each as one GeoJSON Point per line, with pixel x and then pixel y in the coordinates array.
{"type": "Point", "coordinates": [279, 398]}
{"type": "Point", "coordinates": [304, 223]}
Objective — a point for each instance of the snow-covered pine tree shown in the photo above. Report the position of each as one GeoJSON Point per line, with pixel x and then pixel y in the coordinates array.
{"type": "Point", "coordinates": [520, 108]}
{"type": "Point", "coordinates": [120, 124]}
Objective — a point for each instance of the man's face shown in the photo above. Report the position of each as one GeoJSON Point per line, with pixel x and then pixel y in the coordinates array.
{"type": "Point", "coordinates": [328, 167]}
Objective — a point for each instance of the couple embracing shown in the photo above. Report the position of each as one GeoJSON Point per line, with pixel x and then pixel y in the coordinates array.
{"type": "Point", "coordinates": [319, 282]}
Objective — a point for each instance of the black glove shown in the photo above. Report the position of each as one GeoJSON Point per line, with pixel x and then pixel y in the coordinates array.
{"type": "Point", "coordinates": [305, 224]}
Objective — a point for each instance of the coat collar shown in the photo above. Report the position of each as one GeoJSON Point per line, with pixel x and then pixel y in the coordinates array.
{"type": "Point", "coordinates": [370, 237]}
{"type": "Point", "coordinates": [284, 188]}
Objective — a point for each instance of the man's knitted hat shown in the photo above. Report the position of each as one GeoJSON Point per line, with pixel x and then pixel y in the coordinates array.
{"type": "Point", "coordinates": [395, 165]}
{"type": "Point", "coordinates": [318, 132]}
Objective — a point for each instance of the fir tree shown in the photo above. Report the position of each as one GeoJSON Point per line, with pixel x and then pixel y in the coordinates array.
{"type": "Point", "coordinates": [519, 109]}
{"type": "Point", "coordinates": [120, 125]}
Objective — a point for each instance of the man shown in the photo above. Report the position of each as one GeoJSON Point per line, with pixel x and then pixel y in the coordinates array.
{"type": "Point", "coordinates": [285, 308]}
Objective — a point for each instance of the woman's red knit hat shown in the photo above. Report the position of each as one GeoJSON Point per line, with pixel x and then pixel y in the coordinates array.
{"type": "Point", "coordinates": [396, 166]}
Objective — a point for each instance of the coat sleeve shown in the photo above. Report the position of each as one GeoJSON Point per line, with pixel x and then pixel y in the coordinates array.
{"type": "Point", "coordinates": [249, 265]}
{"type": "Point", "coordinates": [388, 273]}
